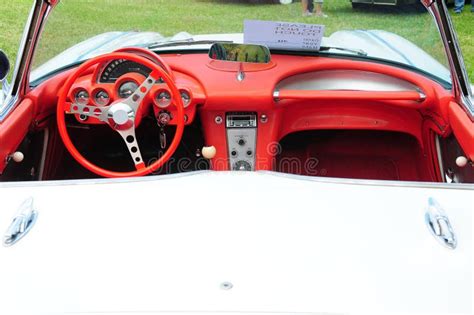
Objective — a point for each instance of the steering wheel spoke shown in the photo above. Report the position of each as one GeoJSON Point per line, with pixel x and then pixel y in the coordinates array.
{"type": "Point", "coordinates": [87, 110]}
{"type": "Point", "coordinates": [132, 145]}
{"type": "Point", "coordinates": [137, 97]}
{"type": "Point", "coordinates": [121, 115]}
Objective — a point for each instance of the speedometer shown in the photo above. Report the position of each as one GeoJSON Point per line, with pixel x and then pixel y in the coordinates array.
{"type": "Point", "coordinates": [117, 68]}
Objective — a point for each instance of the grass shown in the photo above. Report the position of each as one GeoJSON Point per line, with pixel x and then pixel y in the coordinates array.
{"type": "Point", "coordinates": [76, 20]}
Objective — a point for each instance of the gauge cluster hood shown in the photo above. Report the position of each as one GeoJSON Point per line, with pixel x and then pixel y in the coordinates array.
{"type": "Point", "coordinates": [235, 242]}
{"type": "Point", "coordinates": [377, 44]}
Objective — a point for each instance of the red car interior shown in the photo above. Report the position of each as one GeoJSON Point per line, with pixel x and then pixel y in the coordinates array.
{"type": "Point", "coordinates": [412, 134]}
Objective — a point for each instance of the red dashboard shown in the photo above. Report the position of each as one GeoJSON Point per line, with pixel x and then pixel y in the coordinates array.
{"type": "Point", "coordinates": [417, 106]}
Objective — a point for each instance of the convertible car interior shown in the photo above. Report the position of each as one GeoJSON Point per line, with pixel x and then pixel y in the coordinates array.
{"type": "Point", "coordinates": [296, 113]}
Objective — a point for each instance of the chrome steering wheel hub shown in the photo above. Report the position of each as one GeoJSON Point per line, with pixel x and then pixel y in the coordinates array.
{"type": "Point", "coordinates": [120, 116]}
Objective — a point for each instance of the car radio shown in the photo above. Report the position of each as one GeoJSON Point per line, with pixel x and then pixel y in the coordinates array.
{"type": "Point", "coordinates": [241, 120]}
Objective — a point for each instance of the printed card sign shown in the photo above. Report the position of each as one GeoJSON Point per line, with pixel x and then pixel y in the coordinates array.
{"type": "Point", "coordinates": [283, 35]}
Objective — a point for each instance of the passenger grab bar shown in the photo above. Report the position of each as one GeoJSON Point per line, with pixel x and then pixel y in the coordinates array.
{"type": "Point", "coordinates": [348, 95]}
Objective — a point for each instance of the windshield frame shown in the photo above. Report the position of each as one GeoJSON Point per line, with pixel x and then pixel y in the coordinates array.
{"type": "Point", "coordinates": [21, 76]}
{"type": "Point", "coordinates": [381, 44]}
{"type": "Point", "coordinates": [461, 86]}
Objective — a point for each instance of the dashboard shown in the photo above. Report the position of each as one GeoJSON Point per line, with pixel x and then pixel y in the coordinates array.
{"type": "Point", "coordinates": [291, 94]}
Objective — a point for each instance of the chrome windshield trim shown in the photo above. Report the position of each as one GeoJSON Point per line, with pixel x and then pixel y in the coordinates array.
{"type": "Point", "coordinates": [7, 105]}
{"type": "Point", "coordinates": [461, 85]}
{"type": "Point", "coordinates": [19, 86]}
{"type": "Point", "coordinates": [11, 94]}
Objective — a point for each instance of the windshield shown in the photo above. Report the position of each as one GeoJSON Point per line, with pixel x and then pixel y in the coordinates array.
{"type": "Point", "coordinates": [403, 35]}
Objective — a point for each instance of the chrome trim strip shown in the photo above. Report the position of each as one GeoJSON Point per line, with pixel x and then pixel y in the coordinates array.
{"type": "Point", "coordinates": [12, 96]}
{"type": "Point", "coordinates": [461, 85]}
{"type": "Point", "coordinates": [20, 80]}
{"type": "Point", "coordinates": [43, 154]}
{"type": "Point", "coordinates": [328, 180]}
{"type": "Point", "coordinates": [440, 158]}
{"type": "Point", "coordinates": [371, 182]}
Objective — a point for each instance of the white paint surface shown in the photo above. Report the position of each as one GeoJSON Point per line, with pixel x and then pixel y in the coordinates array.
{"type": "Point", "coordinates": [166, 244]}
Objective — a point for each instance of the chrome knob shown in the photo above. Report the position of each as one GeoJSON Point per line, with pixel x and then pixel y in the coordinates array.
{"type": "Point", "coordinates": [121, 116]}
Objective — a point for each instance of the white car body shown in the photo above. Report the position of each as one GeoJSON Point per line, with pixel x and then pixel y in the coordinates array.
{"type": "Point", "coordinates": [235, 242]}
{"type": "Point", "coordinates": [257, 242]}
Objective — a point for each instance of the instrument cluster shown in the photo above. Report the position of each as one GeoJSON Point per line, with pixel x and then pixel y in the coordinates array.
{"type": "Point", "coordinates": [119, 79]}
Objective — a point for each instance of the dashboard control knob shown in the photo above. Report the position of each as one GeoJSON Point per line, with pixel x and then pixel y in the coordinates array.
{"type": "Point", "coordinates": [209, 152]}
{"type": "Point", "coordinates": [461, 161]}
{"type": "Point", "coordinates": [241, 142]}
{"type": "Point", "coordinates": [17, 156]}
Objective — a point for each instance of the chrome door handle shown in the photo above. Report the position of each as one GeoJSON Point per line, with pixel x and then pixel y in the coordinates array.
{"type": "Point", "coordinates": [439, 225]}
{"type": "Point", "coordinates": [21, 223]}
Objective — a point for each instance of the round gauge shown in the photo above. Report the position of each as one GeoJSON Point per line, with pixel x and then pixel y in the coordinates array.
{"type": "Point", "coordinates": [127, 88]}
{"type": "Point", "coordinates": [101, 98]}
{"type": "Point", "coordinates": [81, 97]}
{"type": "Point", "coordinates": [163, 99]}
{"type": "Point", "coordinates": [185, 97]}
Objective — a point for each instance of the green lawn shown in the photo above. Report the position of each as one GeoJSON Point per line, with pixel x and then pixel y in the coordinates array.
{"type": "Point", "coordinates": [71, 23]}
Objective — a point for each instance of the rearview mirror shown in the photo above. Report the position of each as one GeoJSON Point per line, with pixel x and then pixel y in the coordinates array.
{"type": "Point", "coordinates": [4, 66]}
{"type": "Point", "coordinates": [240, 53]}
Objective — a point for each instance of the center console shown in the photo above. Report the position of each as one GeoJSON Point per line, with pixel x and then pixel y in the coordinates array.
{"type": "Point", "coordinates": [241, 129]}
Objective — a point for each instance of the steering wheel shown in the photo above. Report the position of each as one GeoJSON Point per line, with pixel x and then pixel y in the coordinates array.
{"type": "Point", "coordinates": [120, 115]}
